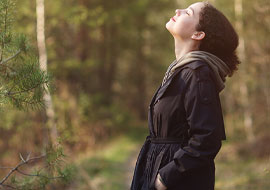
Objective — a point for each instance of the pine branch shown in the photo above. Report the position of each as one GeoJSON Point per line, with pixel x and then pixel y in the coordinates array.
{"type": "Point", "coordinates": [37, 175]}
{"type": "Point", "coordinates": [22, 83]}
{"type": "Point", "coordinates": [8, 186]}
{"type": "Point", "coordinates": [26, 103]}
{"type": "Point", "coordinates": [23, 91]}
{"type": "Point", "coordinates": [23, 162]}
{"type": "Point", "coordinates": [11, 57]}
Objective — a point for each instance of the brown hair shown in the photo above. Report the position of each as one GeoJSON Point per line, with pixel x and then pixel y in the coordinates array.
{"type": "Point", "coordinates": [220, 37]}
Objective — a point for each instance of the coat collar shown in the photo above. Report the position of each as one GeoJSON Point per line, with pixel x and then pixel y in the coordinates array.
{"type": "Point", "coordinates": [162, 89]}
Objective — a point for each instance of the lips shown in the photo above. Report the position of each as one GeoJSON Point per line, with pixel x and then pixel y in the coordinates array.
{"type": "Point", "coordinates": [173, 19]}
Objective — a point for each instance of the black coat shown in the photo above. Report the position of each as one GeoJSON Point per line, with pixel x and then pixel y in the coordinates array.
{"type": "Point", "coordinates": [186, 130]}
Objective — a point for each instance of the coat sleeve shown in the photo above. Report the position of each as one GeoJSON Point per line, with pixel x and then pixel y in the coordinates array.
{"type": "Point", "coordinates": [205, 120]}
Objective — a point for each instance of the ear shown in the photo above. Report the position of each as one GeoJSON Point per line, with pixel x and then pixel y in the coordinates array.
{"type": "Point", "coordinates": [198, 35]}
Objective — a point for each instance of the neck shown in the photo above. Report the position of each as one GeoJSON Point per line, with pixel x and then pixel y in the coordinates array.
{"type": "Point", "coordinates": [183, 47]}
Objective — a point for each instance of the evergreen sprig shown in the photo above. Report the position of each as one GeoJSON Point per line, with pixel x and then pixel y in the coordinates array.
{"type": "Point", "coordinates": [22, 83]}
{"type": "Point", "coordinates": [43, 175]}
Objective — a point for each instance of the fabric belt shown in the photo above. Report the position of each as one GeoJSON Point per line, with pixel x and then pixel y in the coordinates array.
{"type": "Point", "coordinates": [167, 140]}
{"type": "Point", "coordinates": [161, 140]}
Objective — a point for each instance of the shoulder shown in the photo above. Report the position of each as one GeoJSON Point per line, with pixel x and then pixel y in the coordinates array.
{"type": "Point", "coordinates": [198, 70]}
{"type": "Point", "coordinates": [195, 65]}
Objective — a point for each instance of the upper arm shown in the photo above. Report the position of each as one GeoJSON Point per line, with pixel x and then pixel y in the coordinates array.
{"type": "Point", "coordinates": [202, 105]}
{"type": "Point", "coordinates": [205, 121]}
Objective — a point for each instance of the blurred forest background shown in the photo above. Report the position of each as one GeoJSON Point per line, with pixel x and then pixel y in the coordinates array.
{"type": "Point", "coordinates": [107, 57]}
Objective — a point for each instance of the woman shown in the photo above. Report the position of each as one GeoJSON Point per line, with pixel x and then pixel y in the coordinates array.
{"type": "Point", "coordinates": [185, 116]}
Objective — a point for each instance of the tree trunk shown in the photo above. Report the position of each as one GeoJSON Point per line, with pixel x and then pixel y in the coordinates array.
{"type": "Point", "coordinates": [140, 68]}
{"type": "Point", "coordinates": [244, 95]}
{"type": "Point", "coordinates": [83, 42]}
{"type": "Point", "coordinates": [112, 66]}
{"type": "Point", "coordinates": [50, 115]}
{"type": "Point", "coordinates": [108, 54]}
{"type": "Point", "coordinates": [266, 88]}
{"type": "Point", "coordinates": [102, 68]}
{"type": "Point", "coordinates": [141, 85]}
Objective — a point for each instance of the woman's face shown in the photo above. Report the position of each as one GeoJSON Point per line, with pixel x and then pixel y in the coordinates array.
{"type": "Point", "coordinates": [183, 24]}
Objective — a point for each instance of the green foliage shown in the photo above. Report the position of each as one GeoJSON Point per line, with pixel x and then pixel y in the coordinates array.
{"type": "Point", "coordinates": [22, 83]}
{"type": "Point", "coordinates": [21, 42]}
{"type": "Point", "coordinates": [54, 157]}
{"type": "Point", "coordinates": [51, 172]}
{"type": "Point", "coordinates": [67, 173]}
{"type": "Point", "coordinates": [24, 87]}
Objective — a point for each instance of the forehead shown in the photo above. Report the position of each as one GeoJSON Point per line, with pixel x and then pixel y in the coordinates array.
{"type": "Point", "coordinates": [197, 7]}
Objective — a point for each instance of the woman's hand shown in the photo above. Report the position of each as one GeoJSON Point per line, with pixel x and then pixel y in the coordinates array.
{"type": "Point", "coordinates": [158, 184]}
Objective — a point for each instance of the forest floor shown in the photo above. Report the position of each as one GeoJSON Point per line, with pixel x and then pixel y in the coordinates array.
{"type": "Point", "coordinates": [237, 171]}
{"type": "Point", "coordinates": [111, 168]}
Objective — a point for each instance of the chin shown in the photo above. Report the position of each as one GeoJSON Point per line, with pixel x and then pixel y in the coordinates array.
{"type": "Point", "coordinates": [168, 26]}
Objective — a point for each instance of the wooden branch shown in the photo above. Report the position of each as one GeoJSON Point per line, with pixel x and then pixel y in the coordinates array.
{"type": "Point", "coordinates": [37, 175]}
{"type": "Point", "coordinates": [23, 91]}
{"type": "Point", "coordinates": [23, 162]}
{"type": "Point", "coordinates": [11, 57]}
{"type": "Point", "coordinates": [8, 186]}
{"type": "Point", "coordinates": [16, 169]}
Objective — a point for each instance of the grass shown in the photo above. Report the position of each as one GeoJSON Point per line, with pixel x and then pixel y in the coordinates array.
{"type": "Point", "coordinates": [106, 169]}
{"type": "Point", "coordinates": [235, 172]}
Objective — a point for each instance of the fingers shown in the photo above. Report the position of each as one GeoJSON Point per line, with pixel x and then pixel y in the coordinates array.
{"type": "Point", "coordinates": [159, 185]}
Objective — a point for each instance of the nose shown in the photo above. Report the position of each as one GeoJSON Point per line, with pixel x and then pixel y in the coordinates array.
{"type": "Point", "coordinates": [178, 12]}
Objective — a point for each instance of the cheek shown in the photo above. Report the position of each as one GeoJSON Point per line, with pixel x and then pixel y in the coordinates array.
{"type": "Point", "coordinates": [184, 28]}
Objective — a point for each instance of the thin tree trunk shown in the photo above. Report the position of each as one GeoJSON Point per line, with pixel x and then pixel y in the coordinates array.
{"type": "Point", "coordinates": [141, 81]}
{"type": "Point", "coordinates": [112, 66]}
{"type": "Point", "coordinates": [50, 120]}
{"type": "Point", "coordinates": [140, 100]}
{"type": "Point", "coordinates": [266, 89]}
{"type": "Point", "coordinates": [83, 47]}
{"type": "Point", "coordinates": [103, 54]}
{"type": "Point", "coordinates": [108, 54]}
{"type": "Point", "coordinates": [247, 114]}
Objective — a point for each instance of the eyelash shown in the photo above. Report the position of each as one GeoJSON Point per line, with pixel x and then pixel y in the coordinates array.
{"type": "Point", "coordinates": [187, 12]}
